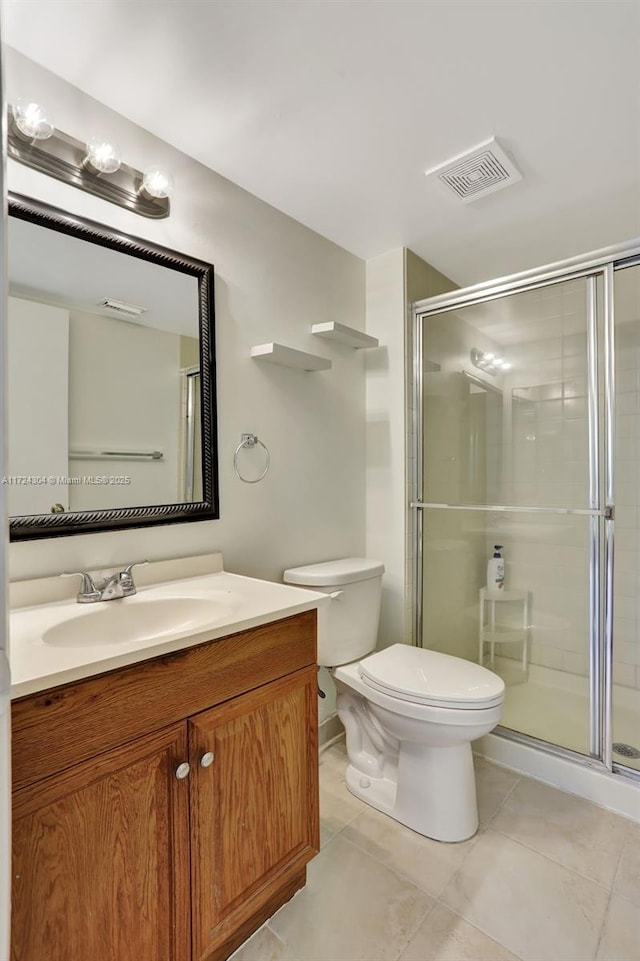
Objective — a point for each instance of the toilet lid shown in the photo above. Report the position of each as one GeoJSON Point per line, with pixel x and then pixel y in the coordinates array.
{"type": "Point", "coordinates": [428, 677]}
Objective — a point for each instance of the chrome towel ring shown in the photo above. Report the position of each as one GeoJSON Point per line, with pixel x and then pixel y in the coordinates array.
{"type": "Point", "coordinates": [251, 440]}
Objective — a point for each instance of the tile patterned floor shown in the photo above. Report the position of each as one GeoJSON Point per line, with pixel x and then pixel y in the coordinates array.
{"type": "Point", "coordinates": [548, 877]}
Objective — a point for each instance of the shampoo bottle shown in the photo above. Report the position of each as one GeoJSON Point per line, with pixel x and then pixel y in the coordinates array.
{"type": "Point", "coordinates": [495, 570]}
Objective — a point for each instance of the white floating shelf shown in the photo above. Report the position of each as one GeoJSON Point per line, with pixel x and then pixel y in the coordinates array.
{"type": "Point", "coordinates": [289, 357]}
{"type": "Point", "coordinates": [344, 335]}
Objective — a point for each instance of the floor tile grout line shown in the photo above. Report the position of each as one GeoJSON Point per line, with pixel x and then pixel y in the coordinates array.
{"type": "Point", "coordinates": [478, 927]}
{"type": "Point", "coordinates": [429, 911]}
{"type": "Point", "coordinates": [503, 802]}
{"type": "Point", "coordinates": [620, 857]}
{"type": "Point", "coordinates": [549, 857]}
{"type": "Point", "coordinates": [393, 870]}
{"type": "Point", "coordinates": [432, 901]}
{"type": "Point", "coordinates": [556, 863]}
{"type": "Point", "coordinates": [346, 824]}
{"type": "Point", "coordinates": [481, 830]}
{"type": "Point", "coordinates": [603, 925]}
{"type": "Point", "coordinates": [267, 924]}
{"type": "Point", "coordinates": [487, 825]}
{"type": "Point", "coordinates": [401, 874]}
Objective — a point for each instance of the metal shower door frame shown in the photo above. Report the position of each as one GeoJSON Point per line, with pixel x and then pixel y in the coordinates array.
{"type": "Point", "coordinates": [597, 269]}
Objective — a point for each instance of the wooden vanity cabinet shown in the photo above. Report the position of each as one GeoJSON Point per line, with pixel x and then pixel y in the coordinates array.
{"type": "Point", "coordinates": [116, 857]}
{"type": "Point", "coordinates": [98, 851]}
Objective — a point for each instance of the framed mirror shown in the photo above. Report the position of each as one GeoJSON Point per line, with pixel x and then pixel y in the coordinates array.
{"type": "Point", "coordinates": [111, 379]}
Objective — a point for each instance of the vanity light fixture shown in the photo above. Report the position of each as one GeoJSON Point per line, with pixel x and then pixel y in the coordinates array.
{"type": "Point", "coordinates": [31, 120]}
{"type": "Point", "coordinates": [488, 362]}
{"type": "Point", "coordinates": [103, 156]}
{"type": "Point", "coordinates": [95, 167]}
{"type": "Point", "coordinates": [157, 182]}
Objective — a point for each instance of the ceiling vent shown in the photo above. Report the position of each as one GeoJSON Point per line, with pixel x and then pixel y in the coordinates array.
{"type": "Point", "coordinates": [477, 173]}
{"type": "Point", "coordinates": [121, 308]}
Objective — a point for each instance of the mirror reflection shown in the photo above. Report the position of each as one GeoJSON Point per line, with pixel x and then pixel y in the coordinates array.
{"type": "Point", "coordinates": [104, 378]}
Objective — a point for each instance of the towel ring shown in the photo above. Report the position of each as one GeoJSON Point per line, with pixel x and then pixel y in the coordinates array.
{"type": "Point", "coordinates": [251, 440]}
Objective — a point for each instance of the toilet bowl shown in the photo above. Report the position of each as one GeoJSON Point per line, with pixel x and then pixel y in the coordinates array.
{"type": "Point", "coordinates": [411, 758]}
{"type": "Point", "coordinates": [410, 715]}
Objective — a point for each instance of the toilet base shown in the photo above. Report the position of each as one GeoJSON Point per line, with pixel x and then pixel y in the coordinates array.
{"type": "Point", "coordinates": [434, 794]}
{"type": "Point", "coordinates": [410, 760]}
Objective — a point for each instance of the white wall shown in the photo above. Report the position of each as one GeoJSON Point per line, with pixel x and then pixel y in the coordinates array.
{"type": "Point", "coordinates": [274, 278]}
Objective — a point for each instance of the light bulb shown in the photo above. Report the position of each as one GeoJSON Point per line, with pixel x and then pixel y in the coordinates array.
{"type": "Point", "coordinates": [506, 365]}
{"type": "Point", "coordinates": [31, 120]}
{"type": "Point", "coordinates": [103, 156]}
{"type": "Point", "coordinates": [157, 182]}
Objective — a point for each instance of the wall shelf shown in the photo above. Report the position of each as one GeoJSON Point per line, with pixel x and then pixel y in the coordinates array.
{"type": "Point", "coordinates": [289, 357]}
{"type": "Point", "coordinates": [344, 335]}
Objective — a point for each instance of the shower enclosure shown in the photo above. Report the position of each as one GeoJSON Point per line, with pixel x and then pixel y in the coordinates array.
{"type": "Point", "coordinates": [527, 401]}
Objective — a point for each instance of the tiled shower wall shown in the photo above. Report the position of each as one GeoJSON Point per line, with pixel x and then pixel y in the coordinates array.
{"type": "Point", "coordinates": [548, 465]}
{"type": "Point", "coordinates": [626, 625]}
{"type": "Point", "coordinates": [459, 467]}
{"type": "Point", "coordinates": [527, 449]}
{"type": "Point", "coordinates": [545, 464]}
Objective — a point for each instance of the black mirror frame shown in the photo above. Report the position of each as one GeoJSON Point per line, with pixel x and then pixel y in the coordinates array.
{"type": "Point", "coordinates": [30, 527]}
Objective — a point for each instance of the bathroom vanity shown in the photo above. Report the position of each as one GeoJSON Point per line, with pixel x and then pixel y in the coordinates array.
{"type": "Point", "coordinates": [163, 809]}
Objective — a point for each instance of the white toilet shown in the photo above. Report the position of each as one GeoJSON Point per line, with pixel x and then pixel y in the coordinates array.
{"type": "Point", "coordinates": [409, 714]}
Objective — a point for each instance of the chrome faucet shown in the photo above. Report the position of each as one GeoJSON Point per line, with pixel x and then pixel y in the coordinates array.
{"type": "Point", "coordinates": [109, 588]}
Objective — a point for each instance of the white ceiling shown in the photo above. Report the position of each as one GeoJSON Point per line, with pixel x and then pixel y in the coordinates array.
{"type": "Point", "coordinates": [331, 110]}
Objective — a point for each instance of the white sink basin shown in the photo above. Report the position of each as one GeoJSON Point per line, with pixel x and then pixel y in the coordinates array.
{"type": "Point", "coordinates": [139, 620]}
{"type": "Point", "coordinates": [57, 641]}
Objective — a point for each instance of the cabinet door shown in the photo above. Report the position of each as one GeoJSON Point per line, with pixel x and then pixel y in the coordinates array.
{"type": "Point", "coordinates": [101, 859]}
{"type": "Point", "coordinates": [254, 809]}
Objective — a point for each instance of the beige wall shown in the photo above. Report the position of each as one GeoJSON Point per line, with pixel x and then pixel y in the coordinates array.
{"type": "Point", "coordinates": [189, 352]}
{"type": "Point", "coordinates": [386, 452]}
{"type": "Point", "coordinates": [37, 433]}
{"type": "Point", "coordinates": [124, 394]}
{"type": "Point", "coordinates": [274, 278]}
{"type": "Point", "coordinates": [394, 281]}
{"type": "Point", "coordinates": [421, 281]}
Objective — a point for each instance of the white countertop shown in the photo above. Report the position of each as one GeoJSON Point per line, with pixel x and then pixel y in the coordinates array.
{"type": "Point", "coordinates": [236, 604]}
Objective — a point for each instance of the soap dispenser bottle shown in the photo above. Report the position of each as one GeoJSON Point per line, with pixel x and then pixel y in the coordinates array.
{"type": "Point", "coordinates": [495, 570]}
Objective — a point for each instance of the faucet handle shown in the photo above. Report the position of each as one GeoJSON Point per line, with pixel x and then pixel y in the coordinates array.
{"type": "Point", "coordinates": [130, 567]}
{"type": "Point", "coordinates": [126, 577]}
{"type": "Point", "coordinates": [127, 569]}
{"type": "Point", "coordinates": [87, 586]}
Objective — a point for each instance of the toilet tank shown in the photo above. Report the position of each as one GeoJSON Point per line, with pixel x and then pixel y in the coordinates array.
{"type": "Point", "coordinates": [348, 626]}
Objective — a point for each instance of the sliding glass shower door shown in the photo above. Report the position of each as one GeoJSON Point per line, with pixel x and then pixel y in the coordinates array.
{"type": "Point", "coordinates": [514, 428]}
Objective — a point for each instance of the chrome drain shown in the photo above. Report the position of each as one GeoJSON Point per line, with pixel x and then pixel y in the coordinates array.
{"type": "Point", "coordinates": [626, 750]}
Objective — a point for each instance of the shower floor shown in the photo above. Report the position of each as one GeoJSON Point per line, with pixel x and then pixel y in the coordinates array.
{"type": "Point", "coordinates": [554, 706]}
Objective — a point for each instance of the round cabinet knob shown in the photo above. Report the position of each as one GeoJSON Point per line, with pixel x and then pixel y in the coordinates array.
{"type": "Point", "coordinates": [182, 770]}
{"type": "Point", "coordinates": [207, 759]}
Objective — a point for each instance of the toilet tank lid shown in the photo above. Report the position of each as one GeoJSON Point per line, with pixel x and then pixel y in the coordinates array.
{"type": "Point", "coordinates": [347, 570]}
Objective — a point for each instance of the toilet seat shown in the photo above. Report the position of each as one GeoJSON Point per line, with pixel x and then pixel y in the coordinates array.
{"type": "Point", "coordinates": [428, 677]}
